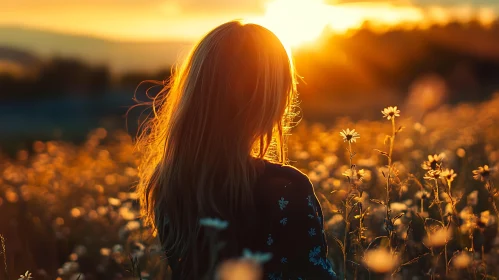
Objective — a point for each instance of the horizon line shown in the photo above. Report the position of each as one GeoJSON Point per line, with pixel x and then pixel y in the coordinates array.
{"type": "Point", "coordinates": [88, 35]}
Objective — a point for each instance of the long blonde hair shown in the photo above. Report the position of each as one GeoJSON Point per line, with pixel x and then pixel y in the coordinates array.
{"type": "Point", "coordinates": [231, 102]}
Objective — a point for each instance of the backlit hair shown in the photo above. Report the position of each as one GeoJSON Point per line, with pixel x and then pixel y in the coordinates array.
{"type": "Point", "coordinates": [228, 105]}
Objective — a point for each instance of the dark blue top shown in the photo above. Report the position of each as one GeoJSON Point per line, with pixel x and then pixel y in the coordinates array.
{"type": "Point", "coordinates": [288, 224]}
{"type": "Point", "coordinates": [294, 225]}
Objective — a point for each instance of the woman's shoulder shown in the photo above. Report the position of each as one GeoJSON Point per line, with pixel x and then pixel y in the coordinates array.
{"type": "Point", "coordinates": [284, 171]}
{"type": "Point", "coordinates": [281, 180]}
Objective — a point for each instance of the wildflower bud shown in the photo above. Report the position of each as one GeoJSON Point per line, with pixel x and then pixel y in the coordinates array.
{"type": "Point", "coordinates": [380, 260]}
{"type": "Point", "coordinates": [462, 260]}
{"type": "Point", "coordinates": [239, 269]}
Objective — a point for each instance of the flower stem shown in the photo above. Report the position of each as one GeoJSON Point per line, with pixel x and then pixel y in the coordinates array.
{"type": "Point", "coordinates": [347, 213]}
{"type": "Point", "coordinates": [345, 237]}
{"type": "Point", "coordinates": [350, 153]}
{"type": "Point", "coordinates": [360, 225]}
{"type": "Point", "coordinates": [449, 192]}
{"type": "Point", "coordinates": [494, 205]}
{"type": "Point", "coordinates": [492, 200]}
{"type": "Point", "coordinates": [392, 139]}
{"type": "Point", "coordinates": [473, 252]}
{"type": "Point", "coordinates": [387, 201]}
{"type": "Point", "coordinates": [446, 259]}
{"type": "Point", "coordinates": [437, 202]}
{"type": "Point", "coordinates": [4, 255]}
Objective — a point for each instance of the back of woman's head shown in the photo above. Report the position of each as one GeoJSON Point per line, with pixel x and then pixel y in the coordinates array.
{"type": "Point", "coordinates": [230, 102]}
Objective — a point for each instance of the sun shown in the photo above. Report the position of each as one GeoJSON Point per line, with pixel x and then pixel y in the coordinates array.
{"type": "Point", "coordinates": [295, 22]}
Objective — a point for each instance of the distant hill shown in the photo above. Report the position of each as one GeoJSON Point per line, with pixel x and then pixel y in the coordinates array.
{"type": "Point", "coordinates": [120, 56]}
{"type": "Point", "coordinates": [17, 63]}
{"type": "Point", "coordinates": [342, 74]}
{"type": "Point", "coordinates": [19, 56]}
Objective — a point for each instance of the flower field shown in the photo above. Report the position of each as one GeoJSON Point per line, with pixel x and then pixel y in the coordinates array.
{"type": "Point", "coordinates": [403, 196]}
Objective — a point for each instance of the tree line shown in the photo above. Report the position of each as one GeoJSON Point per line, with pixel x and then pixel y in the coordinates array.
{"type": "Point", "coordinates": [366, 63]}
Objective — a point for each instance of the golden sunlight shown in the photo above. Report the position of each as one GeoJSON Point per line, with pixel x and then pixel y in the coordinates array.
{"type": "Point", "coordinates": [297, 22]}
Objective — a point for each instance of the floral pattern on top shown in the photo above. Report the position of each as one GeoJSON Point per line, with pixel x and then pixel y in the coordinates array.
{"type": "Point", "coordinates": [270, 240]}
{"type": "Point", "coordinates": [282, 203]}
{"type": "Point", "coordinates": [296, 231]}
{"type": "Point", "coordinates": [284, 232]}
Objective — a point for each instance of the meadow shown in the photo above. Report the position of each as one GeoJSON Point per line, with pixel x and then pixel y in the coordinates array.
{"type": "Point", "coordinates": [409, 195]}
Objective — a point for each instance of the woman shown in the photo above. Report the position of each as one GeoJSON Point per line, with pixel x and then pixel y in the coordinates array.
{"type": "Point", "coordinates": [216, 148]}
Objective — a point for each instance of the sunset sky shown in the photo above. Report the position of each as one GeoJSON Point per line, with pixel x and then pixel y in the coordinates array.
{"type": "Point", "coordinates": [293, 20]}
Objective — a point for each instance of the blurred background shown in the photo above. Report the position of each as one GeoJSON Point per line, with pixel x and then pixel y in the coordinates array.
{"type": "Point", "coordinates": [69, 71]}
{"type": "Point", "coordinates": [69, 66]}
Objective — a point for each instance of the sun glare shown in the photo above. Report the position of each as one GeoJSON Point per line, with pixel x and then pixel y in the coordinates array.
{"type": "Point", "coordinates": [295, 21]}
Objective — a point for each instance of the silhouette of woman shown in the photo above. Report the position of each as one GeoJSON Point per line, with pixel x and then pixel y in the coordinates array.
{"type": "Point", "coordinates": [216, 148]}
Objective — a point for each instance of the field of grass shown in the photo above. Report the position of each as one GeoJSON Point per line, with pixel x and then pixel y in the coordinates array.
{"type": "Point", "coordinates": [392, 204]}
